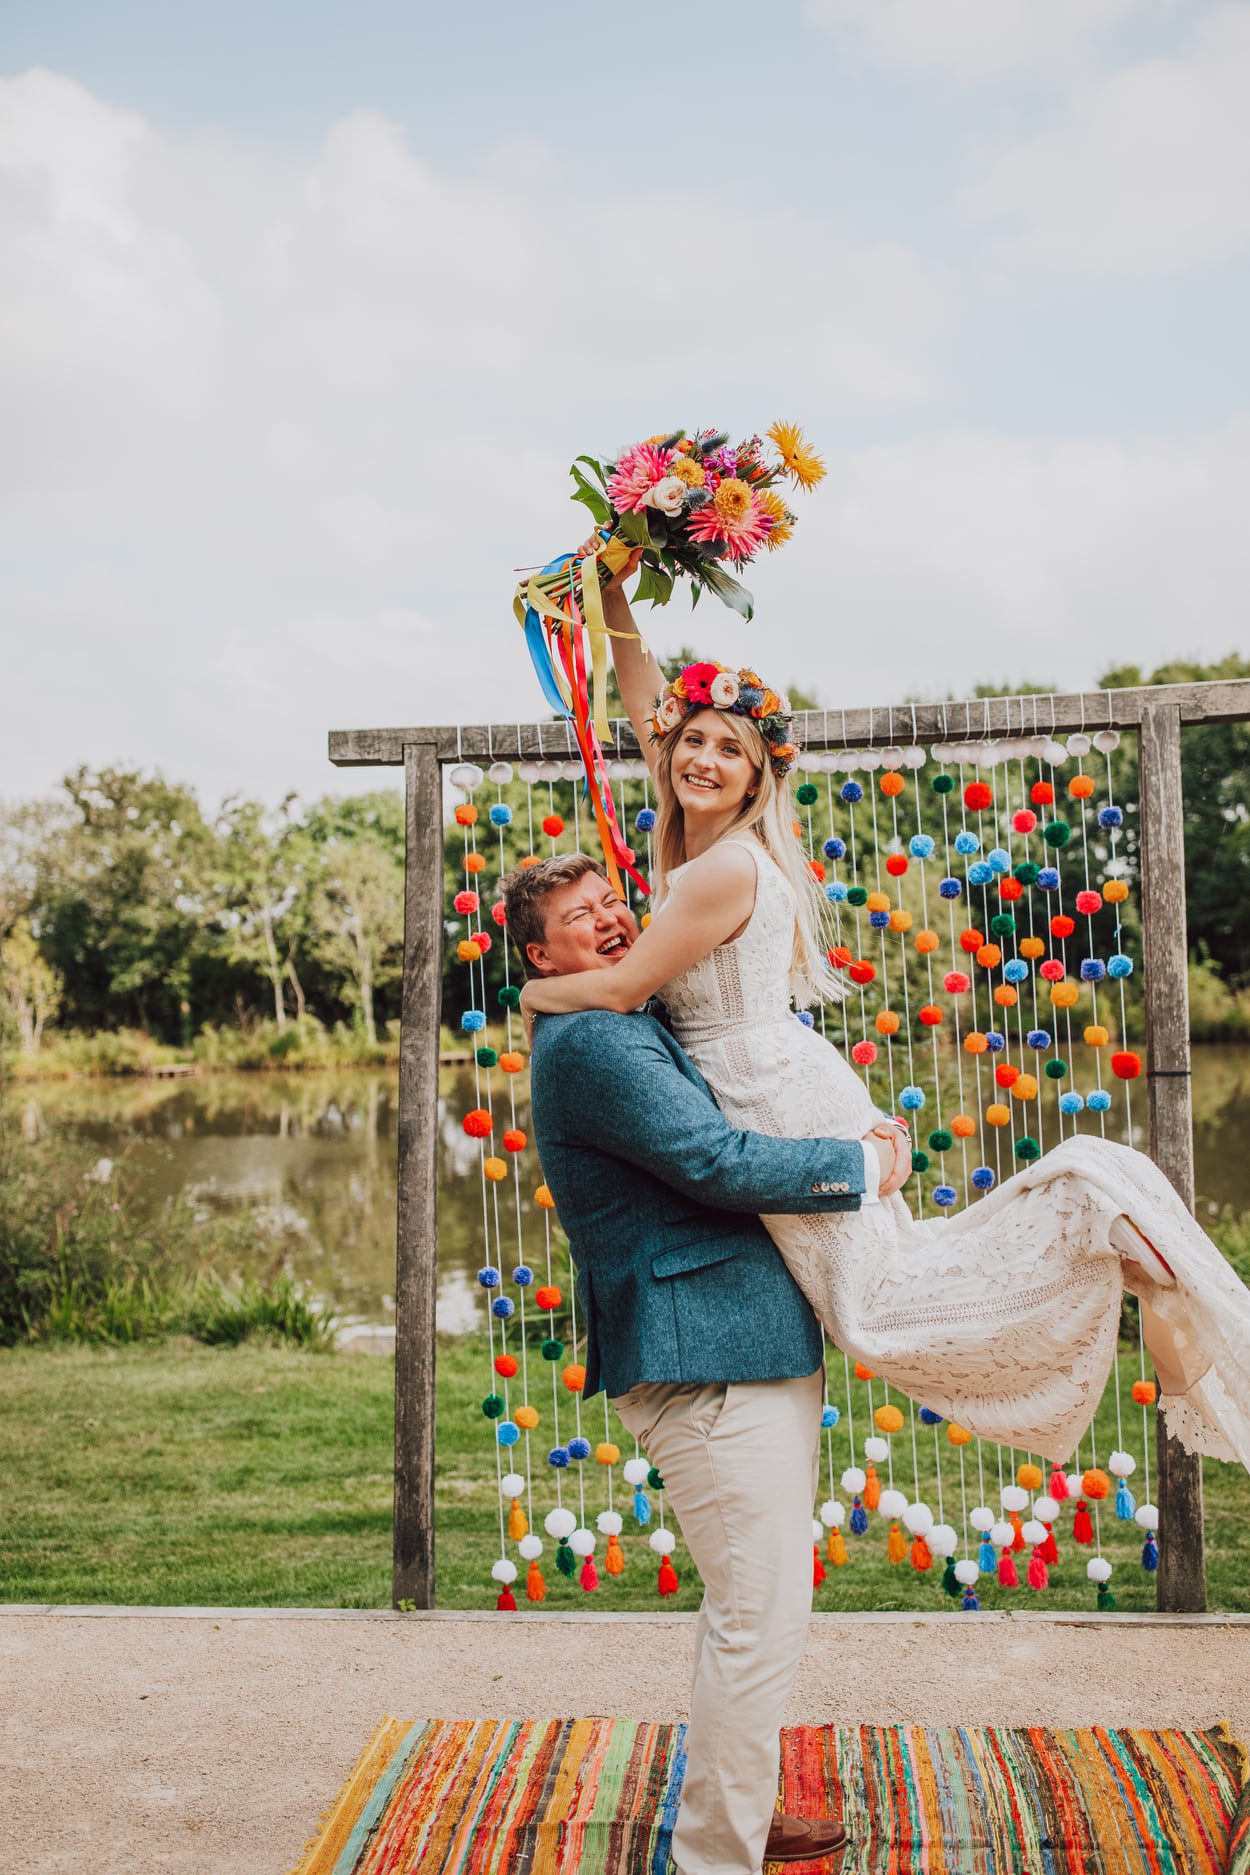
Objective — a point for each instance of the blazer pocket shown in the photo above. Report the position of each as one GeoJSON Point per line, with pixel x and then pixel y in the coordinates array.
{"type": "Point", "coordinates": [692, 1256]}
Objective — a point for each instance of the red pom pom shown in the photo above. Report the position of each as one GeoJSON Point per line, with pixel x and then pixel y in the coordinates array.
{"type": "Point", "coordinates": [553, 825]}
{"type": "Point", "coordinates": [465, 902]}
{"type": "Point", "coordinates": [514, 1140]}
{"type": "Point", "coordinates": [930, 1015]}
{"type": "Point", "coordinates": [896, 865]}
{"type": "Point", "coordinates": [840, 956]}
{"type": "Point", "coordinates": [1126, 1065]}
{"type": "Point", "coordinates": [1061, 926]}
{"type": "Point", "coordinates": [1052, 970]}
{"type": "Point", "coordinates": [1010, 889]}
{"type": "Point", "coordinates": [1041, 794]}
{"type": "Point", "coordinates": [864, 1054]}
{"type": "Point", "coordinates": [505, 1364]}
{"type": "Point", "coordinates": [478, 1123]}
{"type": "Point", "coordinates": [971, 941]}
{"type": "Point", "coordinates": [1024, 820]}
{"type": "Point", "coordinates": [1006, 1075]}
{"type": "Point", "coordinates": [668, 1583]}
{"type": "Point", "coordinates": [499, 913]}
{"type": "Point", "coordinates": [547, 1297]}
{"type": "Point", "coordinates": [507, 1601]}
{"type": "Point", "coordinates": [863, 971]}
{"type": "Point", "coordinates": [978, 795]}
{"type": "Point", "coordinates": [1088, 903]}
{"type": "Point", "coordinates": [815, 867]}
{"type": "Point", "coordinates": [955, 982]}
{"type": "Point", "coordinates": [483, 940]}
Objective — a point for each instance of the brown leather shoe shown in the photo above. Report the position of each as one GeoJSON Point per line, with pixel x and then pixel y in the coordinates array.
{"type": "Point", "coordinates": [803, 1838]}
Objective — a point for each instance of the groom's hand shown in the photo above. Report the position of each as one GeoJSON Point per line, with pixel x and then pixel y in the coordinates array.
{"type": "Point", "coordinates": [893, 1156]}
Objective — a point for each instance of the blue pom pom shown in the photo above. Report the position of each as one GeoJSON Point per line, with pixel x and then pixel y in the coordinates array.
{"type": "Point", "coordinates": [642, 1506]}
{"type": "Point", "coordinates": [1093, 970]}
{"type": "Point", "coordinates": [507, 1432]}
{"type": "Point", "coordinates": [945, 1195]}
{"type": "Point", "coordinates": [1119, 966]}
{"type": "Point", "coordinates": [1070, 1103]}
{"type": "Point", "coordinates": [920, 846]}
{"type": "Point", "coordinates": [1150, 1553]}
{"type": "Point", "coordinates": [979, 873]}
{"type": "Point", "coordinates": [971, 1602]}
{"type": "Point", "coordinates": [1125, 1502]}
{"type": "Point", "coordinates": [983, 1178]}
{"type": "Point", "coordinates": [522, 1275]}
{"type": "Point", "coordinates": [912, 1099]}
{"type": "Point", "coordinates": [644, 819]}
{"type": "Point", "coordinates": [995, 1042]}
{"type": "Point", "coordinates": [1048, 879]}
{"type": "Point", "coordinates": [558, 1457]}
{"type": "Point", "coordinates": [836, 892]}
{"type": "Point", "coordinates": [928, 1417]}
{"type": "Point", "coordinates": [987, 1557]}
{"type": "Point", "coordinates": [579, 1448]}
{"type": "Point", "coordinates": [999, 858]}
{"type": "Point", "coordinates": [1111, 817]}
{"type": "Point", "coordinates": [488, 1278]}
{"type": "Point", "coordinates": [1016, 971]}
{"type": "Point", "coordinates": [829, 1416]}
{"type": "Point", "coordinates": [806, 1017]}
{"type": "Point", "coordinates": [503, 1307]}
{"type": "Point", "coordinates": [835, 848]}
{"type": "Point", "coordinates": [949, 888]}
{"type": "Point", "coordinates": [1038, 1038]}
{"type": "Point", "coordinates": [472, 1021]}
{"type": "Point", "coordinates": [1099, 1101]}
{"type": "Point", "coordinates": [966, 842]}
{"type": "Point", "coordinates": [851, 791]}
{"type": "Point", "coordinates": [501, 815]}
{"type": "Point", "coordinates": [859, 1518]}
{"type": "Point", "coordinates": [879, 920]}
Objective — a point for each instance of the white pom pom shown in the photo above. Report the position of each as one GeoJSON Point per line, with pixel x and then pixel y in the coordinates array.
{"type": "Point", "coordinates": [1078, 745]}
{"type": "Point", "coordinates": [663, 1542]}
{"type": "Point", "coordinates": [1045, 1509]}
{"type": "Point", "coordinates": [831, 1513]}
{"type": "Point", "coordinates": [610, 1522]}
{"type": "Point", "coordinates": [1107, 741]}
{"type": "Point", "coordinates": [1121, 1464]}
{"type": "Point", "coordinates": [877, 1450]}
{"type": "Point", "coordinates": [918, 1518]}
{"type": "Point", "coordinates": [1034, 1532]}
{"type": "Point", "coordinates": [1013, 1497]}
{"type": "Point", "coordinates": [981, 1519]}
{"type": "Point", "coordinates": [1098, 1569]}
{"type": "Point", "coordinates": [853, 1479]}
{"type": "Point", "coordinates": [893, 1504]}
{"type": "Point", "coordinates": [582, 1542]}
{"type": "Point", "coordinates": [966, 1572]}
{"type": "Point", "coordinates": [531, 1547]}
{"type": "Point", "coordinates": [1002, 1536]}
{"type": "Point", "coordinates": [943, 1541]}
{"type": "Point", "coordinates": [512, 1485]}
{"type": "Point", "coordinates": [503, 1570]}
{"type": "Point", "coordinates": [1076, 1484]}
{"type": "Point", "coordinates": [636, 1470]}
{"type": "Point", "coordinates": [559, 1524]}
{"type": "Point", "coordinates": [818, 1530]}
{"type": "Point", "coordinates": [1147, 1515]}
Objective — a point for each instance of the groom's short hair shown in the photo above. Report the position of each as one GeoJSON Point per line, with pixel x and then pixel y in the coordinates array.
{"type": "Point", "coordinates": [526, 891]}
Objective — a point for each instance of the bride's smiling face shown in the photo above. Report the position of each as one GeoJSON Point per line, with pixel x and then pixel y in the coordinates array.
{"type": "Point", "coordinates": [712, 772]}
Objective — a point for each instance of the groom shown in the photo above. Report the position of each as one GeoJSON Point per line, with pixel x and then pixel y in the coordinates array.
{"type": "Point", "coordinates": [709, 1352]}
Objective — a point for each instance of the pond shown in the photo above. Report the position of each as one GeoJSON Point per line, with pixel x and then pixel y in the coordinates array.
{"type": "Point", "coordinates": [316, 1153]}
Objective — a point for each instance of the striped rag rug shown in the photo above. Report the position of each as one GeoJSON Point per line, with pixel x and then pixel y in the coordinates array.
{"type": "Point", "coordinates": [599, 1797]}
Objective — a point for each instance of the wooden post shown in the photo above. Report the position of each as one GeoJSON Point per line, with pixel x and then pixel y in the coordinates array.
{"type": "Point", "coordinates": [1181, 1586]}
{"type": "Point", "coordinates": [416, 1247]}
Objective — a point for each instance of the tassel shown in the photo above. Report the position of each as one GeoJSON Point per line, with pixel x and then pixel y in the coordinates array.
{"type": "Point", "coordinates": [1049, 1550]}
{"type": "Point", "coordinates": [859, 1518]}
{"type": "Point", "coordinates": [1106, 1600]}
{"type": "Point", "coordinates": [518, 1522]}
{"type": "Point", "coordinates": [1017, 1524]}
{"type": "Point", "coordinates": [566, 1562]}
{"type": "Point", "coordinates": [535, 1587]}
{"type": "Point", "coordinates": [1082, 1527]}
{"type": "Point", "coordinates": [896, 1545]}
{"type": "Point", "coordinates": [668, 1583]}
{"type": "Point", "coordinates": [818, 1568]}
{"type": "Point", "coordinates": [1125, 1502]}
{"type": "Point", "coordinates": [614, 1561]}
{"type": "Point", "coordinates": [987, 1557]}
{"type": "Point", "coordinates": [872, 1488]}
{"type": "Point", "coordinates": [642, 1507]}
{"type": "Point", "coordinates": [1059, 1484]}
{"type": "Point", "coordinates": [590, 1576]}
{"type": "Point", "coordinates": [950, 1581]}
{"type": "Point", "coordinates": [507, 1601]}
{"type": "Point", "coordinates": [920, 1556]}
{"type": "Point", "coordinates": [971, 1600]}
{"type": "Point", "coordinates": [1038, 1578]}
{"type": "Point", "coordinates": [1007, 1577]}
{"type": "Point", "coordinates": [1150, 1553]}
{"type": "Point", "coordinates": [836, 1549]}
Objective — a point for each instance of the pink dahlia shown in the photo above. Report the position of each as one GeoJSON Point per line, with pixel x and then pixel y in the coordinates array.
{"type": "Point", "coordinates": [743, 534]}
{"type": "Point", "coordinates": [636, 474]}
{"type": "Point", "coordinates": [697, 680]}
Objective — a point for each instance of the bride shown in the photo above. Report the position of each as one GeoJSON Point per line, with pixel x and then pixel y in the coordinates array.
{"type": "Point", "coordinates": [1003, 1317]}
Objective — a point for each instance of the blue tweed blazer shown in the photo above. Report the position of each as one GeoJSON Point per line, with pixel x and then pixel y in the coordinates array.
{"type": "Point", "coordinates": [677, 1279]}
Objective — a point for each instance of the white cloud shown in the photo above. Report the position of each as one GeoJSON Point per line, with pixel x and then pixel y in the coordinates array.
{"type": "Point", "coordinates": [1148, 171]}
{"type": "Point", "coordinates": [975, 40]}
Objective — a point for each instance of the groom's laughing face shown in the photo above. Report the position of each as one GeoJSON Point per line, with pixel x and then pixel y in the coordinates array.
{"type": "Point", "coordinates": [587, 927]}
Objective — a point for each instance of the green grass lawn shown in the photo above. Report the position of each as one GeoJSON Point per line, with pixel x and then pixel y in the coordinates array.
{"type": "Point", "coordinates": [251, 1475]}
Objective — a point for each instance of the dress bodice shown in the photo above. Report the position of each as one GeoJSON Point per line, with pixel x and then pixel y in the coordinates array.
{"type": "Point", "coordinates": [745, 982]}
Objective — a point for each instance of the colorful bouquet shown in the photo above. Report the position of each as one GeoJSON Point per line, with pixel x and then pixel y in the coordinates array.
{"type": "Point", "coordinates": [693, 506]}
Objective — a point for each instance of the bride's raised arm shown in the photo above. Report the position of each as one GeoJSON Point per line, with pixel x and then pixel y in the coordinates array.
{"type": "Point", "coordinates": [712, 899]}
{"type": "Point", "coordinates": [638, 676]}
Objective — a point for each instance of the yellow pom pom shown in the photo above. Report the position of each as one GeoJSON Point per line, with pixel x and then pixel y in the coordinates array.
{"type": "Point", "coordinates": [1024, 1087]}
{"type": "Point", "coordinates": [494, 1170]}
{"type": "Point", "coordinates": [1063, 995]}
{"type": "Point", "coordinates": [900, 921]}
{"type": "Point", "coordinates": [1096, 1035]}
{"type": "Point", "coordinates": [997, 1115]}
{"type": "Point", "coordinates": [606, 1453]}
{"type": "Point", "coordinates": [963, 1126]}
{"type": "Point", "coordinates": [1115, 891]}
{"type": "Point", "coordinates": [888, 1419]}
{"type": "Point", "coordinates": [1029, 1478]}
{"type": "Point", "coordinates": [526, 1417]}
{"type": "Point", "coordinates": [644, 921]}
{"type": "Point", "coordinates": [1032, 947]}
{"type": "Point", "coordinates": [468, 952]}
{"type": "Point", "coordinates": [926, 942]}
{"type": "Point", "coordinates": [877, 901]}
{"type": "Point", "coordinates": [574, 1377]}
{"type": "Point", "coordinates": [958, 1435]}
{"type": "Point", "coordinates": [543, 1199]}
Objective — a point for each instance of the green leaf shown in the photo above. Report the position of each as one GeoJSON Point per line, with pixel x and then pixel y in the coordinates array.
{"type": "Point", "coordinates": [645, 590]}
{"type": "Point", "coordinates": [595, 467]}
{"type": "Point", "coordinates": [729, 591]}
{"type": "Point", "coordinates": [591, 498]}
{"type": "Point", "coordinates": [663, 584]}
{"type": "Point", "coordinates": [634, 529]}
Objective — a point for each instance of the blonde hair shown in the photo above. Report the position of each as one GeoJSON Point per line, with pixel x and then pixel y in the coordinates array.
{"type": "Point", "coordinates": [769, 816]}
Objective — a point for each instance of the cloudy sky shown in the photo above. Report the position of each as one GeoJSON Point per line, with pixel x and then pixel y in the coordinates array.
{"type": "Point", "coordinates": [308, 308]}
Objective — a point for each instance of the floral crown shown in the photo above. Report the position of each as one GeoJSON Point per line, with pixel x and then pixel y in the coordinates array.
{"type": "Point", "coordinates": [738, 693]}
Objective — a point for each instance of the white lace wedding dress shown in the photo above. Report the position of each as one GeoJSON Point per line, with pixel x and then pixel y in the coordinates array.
{"type": "Point", "coordinates": [1004, 1315]}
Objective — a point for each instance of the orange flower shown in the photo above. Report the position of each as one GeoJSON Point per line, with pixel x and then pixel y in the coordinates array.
{"type": "Point", "coordinates": [798, 459]}
{"type": "Point", "coordinates": [687, 471]}
{"type": "Point", "coordinates": [774, 507]}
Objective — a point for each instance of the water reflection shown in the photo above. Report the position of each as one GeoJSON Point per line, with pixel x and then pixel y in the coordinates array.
{"type": "Point", "coordinates": [316, 1153]}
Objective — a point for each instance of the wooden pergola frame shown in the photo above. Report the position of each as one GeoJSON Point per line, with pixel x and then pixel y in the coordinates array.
{"type": "Point", "coordinates": [1156, 714]}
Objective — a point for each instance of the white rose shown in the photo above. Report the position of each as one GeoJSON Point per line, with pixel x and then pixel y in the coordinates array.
{"type": "Point", "coordinates": [667, 495]}
{"type": "Point", "coordinates": [783, 705]}
{"type": "Point", "coordinates": [724, 690]}
{"type": "Point", "coordinates": [669, 714]}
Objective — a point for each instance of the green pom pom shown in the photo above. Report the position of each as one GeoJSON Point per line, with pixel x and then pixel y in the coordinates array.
{"type": "Point", "coordinates": [1028, 1149]}
{"type": "Point", "coordinates": [1002, 924]}
{"type": "Point", "coordinates": [1056, 833]}
{"type": "Point", "coordinates": [654, 1479]}
{"type": "Point", "coordinates": [509, 997]}
{"type": "Point", "coordinates": [858, 895]}
{"type": "Point", "coordinates": [486, 1058]}
{"type": "Point", "coordinates": [492, 1406]}
{"type": "Point", "coordinates": [942, 784]}
{"type": "Point", "coordinates": [941, 1140]}
{"type": "Point", "coordinates": [807, 794]}
{"type": "Point", "coordinates": [552, 1350]}
{"type": "Point", "coordinates": [1026, 872]}
{"type": "Point", "coordinates": [1055, 1070]}
{"type": "Point", "coordinates": [919, 1161]}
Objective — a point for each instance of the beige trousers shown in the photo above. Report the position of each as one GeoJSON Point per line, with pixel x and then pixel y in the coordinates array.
{"type": "Point", "coordinates": [741, 1466]}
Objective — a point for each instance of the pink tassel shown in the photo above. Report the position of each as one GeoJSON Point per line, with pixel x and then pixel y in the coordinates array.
{"type": "Point", "coordinates": [1059, 1484]}
{"type": "Point", "coordinates": [1007, 1577]}
{"type": "Point", "coordinates": [590, 1575]}
{"type": "Point", "coordinates": [1038, 1578]}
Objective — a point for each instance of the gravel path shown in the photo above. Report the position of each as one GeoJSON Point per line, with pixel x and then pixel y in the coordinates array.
{"type": "Point", "coordinates": [209, 1744]}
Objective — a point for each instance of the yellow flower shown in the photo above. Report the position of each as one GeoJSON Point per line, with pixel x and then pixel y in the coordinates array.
{"type": "Point", "coordinates": [782, 528]}
{"type": "Point", "coordinates": [732, 499]}
{"type": "Point", "coordinates": [689, 472]}
{"type": "Point", "coordinates": [798, 459]}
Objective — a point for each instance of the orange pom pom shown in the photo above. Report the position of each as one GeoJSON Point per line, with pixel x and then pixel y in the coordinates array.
{"type": "Point", "coordinates": [531, 859]}
{"type": "Point", "coordinates": [889, 1419]}
{"type": "Point", "coordinates": [1030, 1478]}
{"type": "Point", "coordinates": [840, 956]}
{"type": "Point", "coordinates": [1081, 787]}
{"type": "Point", "coordinates": [1005, 1074]}
{"type": "Point", "coordinates": [877, 901]}
{"type": "Point", "coordinates": [1010, 890]}
{"type": "Point", "coordinates": [606, 1453]}
{"type": "Point", "coordinates": [478, 1123]}
{"type": "Point", "coordinates": [863, 1373]}
{"type": "Point", "coordinates": [989, 956]}
{"type": "Point", "coordinates": [975, 1043]}
{"type": "Point", "coordinates": [535, 1587]}
{"type": "Point", "coordinates": [548, 1296]}
{"type": "Point", "coordinates": [494, 1170]}
{"type": "Point", "coordinates": [1144, 1392]}
{"type": "Point", "coordinates": [997, 1115]}
{"type": "Point", "coordinates": [1006, 996]}
{"type": "Point", "coordinates": [900, 921]}
{"type": "Point", "coordinates": [543, 1198]}
{"type": "Point", "coordinates": [466, 815]}
{"type": "Point", "coordinates": [1063, 995]}
{"type": "Point", "coordinates": [926, 942]}
{"type": "Point", "coordinates": [512, 1063]}
{"type": "Point", "coordinates": [817, 870]}
{"type": "Point", "coordinates": [473, 862]}
{"type": "Point", "coordinates": [1096, 1484]}
{"type": "Point", "coordinates": [958, 1435]}
{"type": "Point", "coordinates": [514, 1140]}
{"type": "Point", "coordinates": [930, 1015]}
{"type": "Point", "coordinates": [468, 952]}
{"type": "Point", "coordinates": [553, 826]}
{"type": "Point", "coordinates": [614, 1561]}
{"type": "Point", "coordinates": [1032, 947]}
{"type": "Point", "coordinates": [644, 921]}
{"type": "Point", "coordinates": [1096, 1035]}
{"type": "Point", "coordinates": [1024, 1087]}
{"type": "Point", "coordinates": [963, 1126]}
{"type": "Point", "coordinates": [505, 1364]}
{"type": "Point", "coordinates": [574, 1377]}
{"type": "Point", "coordinates": [1115, 891]}
{"type": "Point", "coordinates": [526, 1417]}
{"type": "Point", "coordinates": [892, 783]}
{"type": "Point", "coordinates": [971, 940]}
{"type": "Point", "coordinates": [887, 1022]}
